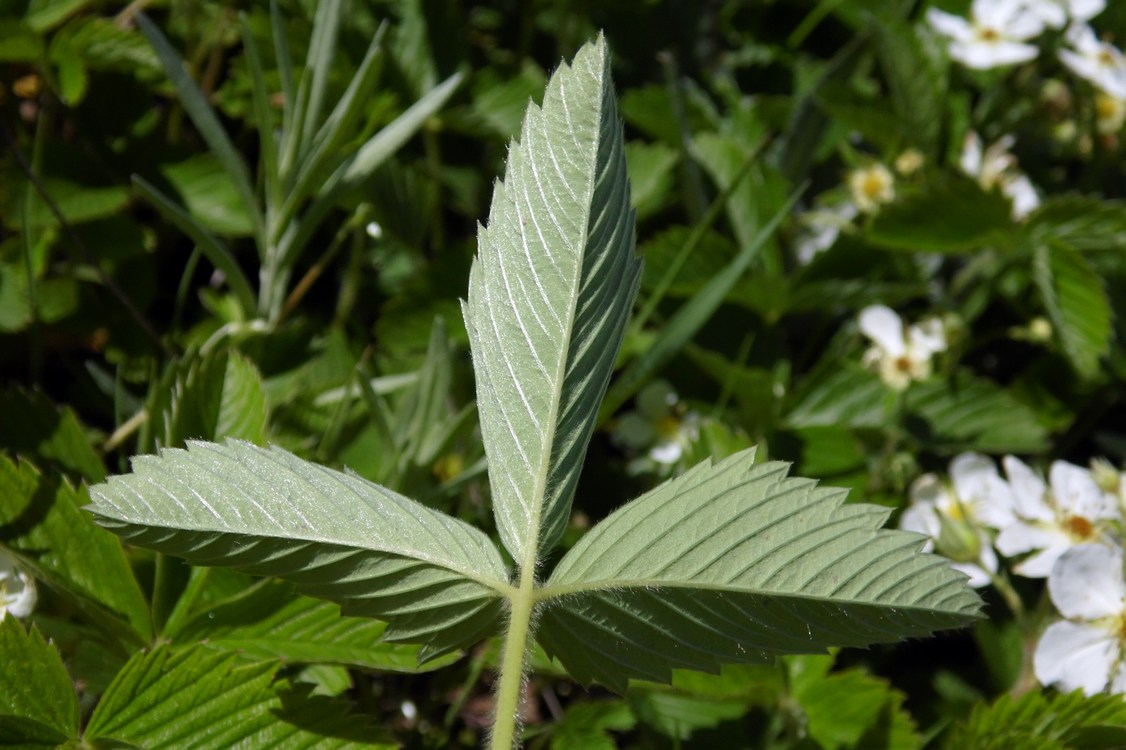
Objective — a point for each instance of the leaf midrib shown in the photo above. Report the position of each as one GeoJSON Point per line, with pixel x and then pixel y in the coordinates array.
{"type": "Point", "coordinates": [532, 550]}
{"type": "Point", "coordinates": [548, 593]}
{"type": "Point", "coordinates": [502, 587]}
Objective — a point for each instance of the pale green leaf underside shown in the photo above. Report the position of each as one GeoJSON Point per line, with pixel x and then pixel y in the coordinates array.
{"type": "Point", "coordinates": [435, 579]}
{"type": "Point", "coordinates": [549, 295]}
{"type": "Point", "coordinates": [735, 562]}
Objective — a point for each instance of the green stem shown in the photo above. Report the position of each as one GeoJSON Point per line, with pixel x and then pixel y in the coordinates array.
{"type": "Point", "coordinates": [511, 681]}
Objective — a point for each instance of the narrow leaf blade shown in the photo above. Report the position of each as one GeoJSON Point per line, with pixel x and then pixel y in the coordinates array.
{"type": "Point", "coordinates": [334, 534]}
{"type": "Point", "coordinates": [549, 295]}
{"type": "Point", "coordinates": [205, 120]}
{"type": "Point", "coordinates": [690, 318]}
{"type": "Point", "coordinates": [208, 244]}
{"type": "Point", "coordinates": [734, 562]}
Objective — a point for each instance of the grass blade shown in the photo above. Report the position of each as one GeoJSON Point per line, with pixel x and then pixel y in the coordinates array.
{"type": "Point", "coordinates": [208, 244]}
{"type": "Point", "coordinates": [207, 123]}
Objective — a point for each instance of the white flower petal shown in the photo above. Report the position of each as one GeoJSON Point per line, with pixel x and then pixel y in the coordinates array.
{"type": "Point", "coordinates": [17, 589]}
{"type": "Point", "coordinates": [1041, 564]}
{"type": "Point", "coordinates": [984, 56]}
{"type": "Point", "coordinates": [927, 338]}
{"type": "Point", "coordinates": [1021, 24]}
{"type": "Point", "coordinates": [1087, 582]}
{"type": "Point", "coordinates": [928, 489]}
{"type": "Point", "coordinates": [979, 485]}
{"type": "Point", "coordinates": [950, 25]}
{"type": "Point", "coordinates": [1085, 10]}
{"type": "Point", "coordinates": [1077, 494]}
{"type": "Point", "coordinates": [1075, 656]}
{"type": "Point", "coordinates": [666, 453]}
{"type": "Point", "coordinates": [883, 326]}
{"type": "Point", "coordinates": [1022, 194]}
{"type": "Point", "coordinates": [978, 576]}
{"type": "Point", "coordinates": [972, 154]}
{"type": "Point", "coordinates": [1029, 490]}
{"type": "Point", "coordinates": [921, 519]}
{"type": "Point", "coordinates": [1020, 537]}
{"type": "Point", "coordinates": [1050, 12]}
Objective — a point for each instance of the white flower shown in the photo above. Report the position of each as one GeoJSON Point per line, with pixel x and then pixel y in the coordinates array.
{"type": "Point", "coordinates": [822, 227]}
{"type": "Point", "coordinates": [17, 589]}
{"type": "Point", "coordinates": [660, 426]}
{"type": "Point", "coordinates": [1086, 650]}
{"type": "Point", "coordinates": [871, 187]}
{"type": "Point", "coordinates": [1050, 519]}
{"type": "Point", "coordinates": [1023, 195]}
{"type": "Point", "coordinates": [900, 356]}
{"type": "Point", "coordinates": [1110, 113]}
{"type": "Point", "coordinates": [910, 161]}
{"type": "Point", "coordinates": [995, 35]}
{"type": "Point", "coordinates": [956, 516]}
{"type": "Point", "coordinates": [1098, 62]}
{"type": "Point", "coordinates": [996, 167]}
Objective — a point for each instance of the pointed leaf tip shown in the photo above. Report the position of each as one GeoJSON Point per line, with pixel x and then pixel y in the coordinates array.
{"type": "Point", "coordinates": [549, 295]}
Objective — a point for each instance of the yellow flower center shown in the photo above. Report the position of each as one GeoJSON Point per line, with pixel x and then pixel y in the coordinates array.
{"type": "Point", "coordinates": [874, 185]}
{"type": "Point", "coordinates": [1079, 528]}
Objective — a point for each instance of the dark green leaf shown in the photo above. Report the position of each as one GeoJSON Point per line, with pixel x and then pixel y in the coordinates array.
{"type": "Point", "coordinates": [1077, 305]}
{"type": "Point", "coordinates": [271, 621]}
{"type": "Point", "coordinates": [1041, 721]}
{"type": "Point", "coordinates": [201, 698]}
{"type": "Point", "coordinates": [849, 397]}
{"type": "Point", "coordinates": [41, 521]}
{"type": "Point", "coordinates": [916, 73]}
{"type": "Point", "coordinates": [37, 700]}
{"type": "Point", "coordinates": [587, 725]}
{"type": "Point", "coordinates": [964, 413]}
{"type": "Point", "coordinates": [209, 194]}
{"type": "Point", "coordinates": [1084, 223]}
{"type": "Point", "coordinates": [220, 397]}
{"type": "Point", "coordinates": [947, 214]}
{"type": "Point", "coordinates": [851, 709]}
{"type": "Point", "coordinates": [36, 429]}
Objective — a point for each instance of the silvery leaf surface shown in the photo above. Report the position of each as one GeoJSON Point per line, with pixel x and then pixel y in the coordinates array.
{"type": "Point", "coordinates": [435, 579]}
{"type": "Point", "coordinates": [549, 294]}
{"type": "Point", "coordinates": [736, 562]}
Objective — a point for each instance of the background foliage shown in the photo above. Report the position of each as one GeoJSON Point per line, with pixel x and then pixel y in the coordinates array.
{"type": "Point", "coordinates": [148, 296]}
